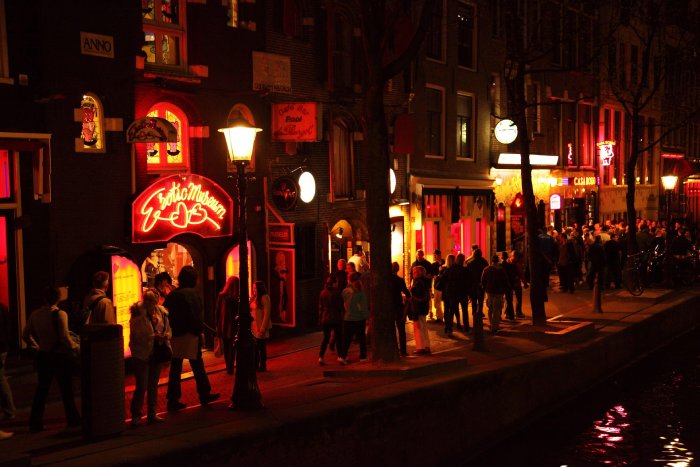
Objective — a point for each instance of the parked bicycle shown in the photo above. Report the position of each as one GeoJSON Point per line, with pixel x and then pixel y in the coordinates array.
{"type": "Point", "coordinates": [632, 273]}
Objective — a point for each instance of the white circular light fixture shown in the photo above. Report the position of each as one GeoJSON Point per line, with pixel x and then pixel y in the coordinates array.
{"type": "Point", "coordinates": [392, 181]}
{"type": "Point", "coordinates": [307, 187]}
{"type": "Point", "coordinates": [506, 131]}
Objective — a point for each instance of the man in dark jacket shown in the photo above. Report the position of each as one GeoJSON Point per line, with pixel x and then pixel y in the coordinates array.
{"type": "Point", "coordinates": [330, 314]}
{"type": "Point", "coordinates": [476, 293]}
{"type": "Point", "coordinates": [457, 293]}
{"type": "Point", "coordinates": [495, 283]}
{"type": "Point", "coordinates": [596, 257]}
{"type": "Point", "coordinates": [398, 291]}
{"type": "Point", "coordinates": [613, 258]}
{"type": "Point", "coordinates": [185, 310]}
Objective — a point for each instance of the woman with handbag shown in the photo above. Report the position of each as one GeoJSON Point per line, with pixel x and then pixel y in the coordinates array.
{"type": "Point", "coordinates": [150, 348]}
{"type": "Point", "coordinates": [260, 307]}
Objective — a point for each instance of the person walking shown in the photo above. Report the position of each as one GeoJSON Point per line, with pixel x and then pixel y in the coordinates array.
{"type": "Point", "coordinates": [7, 405]}
{"type": "Point", "coordinates": [420, 303]}
{"type": "Point", "coordinates": [475, 269]}
{"type": "Point", "coordinates": [260, 308]}
{"type": "Point", "coordinates": [613, 259]}
{"type": "Point", "coordinates": [516, 275]}
{"type": "Point", "coordinates": [149, 328]}
{"type": "Point", "coordinates": [399, 293]}
{"type": "Point", "coordinates": [457, 292]}
{"type": "Point", "coordinates": [437, 268]}
{"type": "Point", "coordinates": [47, 331]}
{"type": "Point", "coordinates": [495, 283]}
{"type": "Point", "coordinates": [355, 319]}
{"type": "Point", "coordinates": [427, 274]}
{"type": "Point", "coordinates": [101, 308]}
{"type": "Point", "coordinates": [330, 314]}
{"type": "Point", "coordinates": [185, 310]}
{"type": "Point", "coordinates": [226, 318]}
{"type": "Point", "coordinates": [596, 256]}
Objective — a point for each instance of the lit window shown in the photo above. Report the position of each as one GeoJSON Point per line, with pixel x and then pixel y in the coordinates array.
{"type": "Point", "coordinates": [169, 156]}
{"type": "Point", "coordinates": [342, 166]}
{"type": "Point", "coordinates": [241, 13]}
{"type": "Point", "coordinates": [465, 126]}
{"type": "Point", "coordinates": [92, 134]}
{"type": "Point", "coordinates": [164, 33]}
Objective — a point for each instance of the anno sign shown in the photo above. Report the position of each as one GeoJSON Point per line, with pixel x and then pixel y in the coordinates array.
{"type": "Point", "coordinates": [179, 204]}
{"type": "Point", "coordinates": [96, 44]}
{"type": "Point", "coordinates": [295, 122]}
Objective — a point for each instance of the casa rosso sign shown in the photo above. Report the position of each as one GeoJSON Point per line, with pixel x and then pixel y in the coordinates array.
{"type": "Point", "coordinates": [178, 204]}
{"type": "Point", "coordinates": [295, 122]}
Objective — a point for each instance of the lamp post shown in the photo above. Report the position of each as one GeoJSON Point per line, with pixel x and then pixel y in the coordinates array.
{"type": "Point", "coordinates": [669, 184]}
{"type": "Point", "coordinates": [240, 137]}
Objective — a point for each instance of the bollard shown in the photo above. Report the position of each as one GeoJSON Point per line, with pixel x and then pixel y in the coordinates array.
{"type": "Point", "coordinates": [102, 380]}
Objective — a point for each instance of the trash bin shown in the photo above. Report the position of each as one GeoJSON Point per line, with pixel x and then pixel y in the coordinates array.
{"type": "Point", "coordinates": [102, 385]}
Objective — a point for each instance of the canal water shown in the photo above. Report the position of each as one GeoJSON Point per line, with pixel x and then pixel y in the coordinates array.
{"type": "Point", "coordinates": [649, 414]}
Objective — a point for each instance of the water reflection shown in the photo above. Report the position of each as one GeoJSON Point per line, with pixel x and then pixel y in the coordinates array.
{"type": "Point", "coordinates": [674, 453]}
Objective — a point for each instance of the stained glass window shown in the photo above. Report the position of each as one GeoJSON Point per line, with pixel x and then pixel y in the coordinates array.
{"type": "Point", "coordinates": [169, 156]}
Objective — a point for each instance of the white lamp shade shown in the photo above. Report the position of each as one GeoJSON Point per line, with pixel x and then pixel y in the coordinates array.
{"type": "Point", "coordinates": [307, 186]}
{"type": "Point", "coordinates": [669, 182]}
{"type": "Point", "coordinates": [392, 181]}
{"type": "Point", "coordinates": [239, 141]}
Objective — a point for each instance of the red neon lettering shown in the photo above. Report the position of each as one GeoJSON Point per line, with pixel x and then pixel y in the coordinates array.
{"type": "Point", "coordinates": [181, 207]}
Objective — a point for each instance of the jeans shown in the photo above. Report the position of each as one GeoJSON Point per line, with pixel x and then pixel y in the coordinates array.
{"type": "Point", "coordinates": [147, 374]}
{"type": "Point", "coordinates": [7, 405]}
{"type": "Point", "coordinates": [350, 330]}
{"type": "Point", "coordinates": [336, 328]}
{"type": "Point", "coordinates": [494, 303]}
{"type": "Point", "coordinates": [200, 377]}
{"type": "Point", "coordinates": [52, 365]}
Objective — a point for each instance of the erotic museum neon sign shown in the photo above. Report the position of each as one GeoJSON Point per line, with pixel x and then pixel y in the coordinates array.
{"type": "Point", "coordinates": [181, 204]}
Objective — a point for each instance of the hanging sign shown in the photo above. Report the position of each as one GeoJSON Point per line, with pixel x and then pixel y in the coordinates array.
{"type": "Point", "coordinates": [151, 130]}
{"type": "Point", "coordinates": [607, 153]}
{"type": "Point", "coordinates": [295, 122]}
{"type": "Point", "coordinates": [506, 131]}
{"type": "Point", "coordinates": [555, 202]}
{"type": "Point", "coordinates": [178, 204]}
{"type": "Point", "coordinates": [285, 193]}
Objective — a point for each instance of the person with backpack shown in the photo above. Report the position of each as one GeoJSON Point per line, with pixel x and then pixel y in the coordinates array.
{"type": "Point", "coordinates": [97, 307]}
{"type": "Point", "coordinates": [47, 331]}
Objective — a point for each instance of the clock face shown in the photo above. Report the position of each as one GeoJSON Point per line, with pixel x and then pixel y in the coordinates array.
{"type": "Point", "coordinates": [506, 131]}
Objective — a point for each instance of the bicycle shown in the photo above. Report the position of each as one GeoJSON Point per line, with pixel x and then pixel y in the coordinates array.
{"type": "Point", "coordinates": [632, 274]}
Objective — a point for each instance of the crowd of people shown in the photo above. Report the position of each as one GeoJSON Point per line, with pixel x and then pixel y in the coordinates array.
{"type": "Point", "coordinates": [166, 327]}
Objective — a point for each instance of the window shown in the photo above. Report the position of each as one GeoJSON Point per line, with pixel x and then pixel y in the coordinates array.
{"type": "Point", "coordinates": [161, 157]}
{"type": "Point", "coordinates": [496, 18]}
{"type": "Point", "coordinates": [465, 126]}
{"type": "Point", "coordinates": [92, 133]}
{"type": "Point", "coordinates": [342, 163]}
{"type": "Point", "coordinates": [434, 48]}
{"type": "Point", "coordinates": [585, 135]}
{"type": "Point", "coordinates": [288, 18]}
{"type": "Point", "coordinates": [634, 65]}
{"type": "Point", "coordinates": [164, 33]}
{"type": "Point", "coordinates": [466, 35]}
{"type": "Point", "coordinates": [241, 14]}
{"type": "Point", "coordinates": [4, 66]}
{"type": "Point", "coordinates": [343, 54]}
{"type": "Point", "coordinates": [612, 61]}
{"type": "Point", "coordinates": [434, 121]}
{"type": "Point", "coordinates": [622, 74]}
{"type": "Point", "coordinates": [534, 108]}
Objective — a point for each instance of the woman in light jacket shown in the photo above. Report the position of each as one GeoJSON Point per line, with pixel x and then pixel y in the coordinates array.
{"type": "Point", "coordinates": [260, 307]}
{"type": "Point", "coordinates": [148, 325]}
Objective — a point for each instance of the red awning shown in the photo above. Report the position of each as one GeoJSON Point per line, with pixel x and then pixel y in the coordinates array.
{"type": "Point", "coordinates": [679, 167]}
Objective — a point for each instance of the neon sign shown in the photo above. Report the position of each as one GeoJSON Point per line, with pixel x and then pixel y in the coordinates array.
{"type": "Point", "coordinates": [180, 204]}
{"type": "Point", "coordinates": [555, 202]}
{"type": "Point", "coordinates": [570, 156]}
{"type": "Point", "coordinates": [606, 152]}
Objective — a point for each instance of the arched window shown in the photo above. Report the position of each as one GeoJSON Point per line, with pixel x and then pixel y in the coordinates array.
{"type": "Point", "coordinates": [161, 157]}
{"type": "Point", "coordinates": [92, 132]}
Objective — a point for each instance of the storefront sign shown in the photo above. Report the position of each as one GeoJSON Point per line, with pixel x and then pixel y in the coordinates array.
{"type": "Point", "coordinates": [178, 204]}
{"type": "Point", "coordinates": [555, 202]}
{"type": "Point", "coordinates": [284, 193]}
{"type": "Point", "coordinates": [507, 158]}
{"type": "Point", "coordinates": [126, 290]}
{"type": "Point", "coordinates": [295, 122]}
{"type": "Point", "coordinates": [580, 181]}
{"type": "Point", "coordinates": [607, 153]}
{"type": "Point", "coordinates": [281, 234]}
{"type": "Point", "coordinates": [282, 286]}
{"type": "Point", "coordinates": [96, 44]}
{"type": "Point", "coordinates": [272, 72]}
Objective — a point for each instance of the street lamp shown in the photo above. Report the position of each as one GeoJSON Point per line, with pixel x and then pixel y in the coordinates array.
{"type": "Point", "coordinates": [240, 137]}
{"type": "Point", "coordinates": [669, 183]}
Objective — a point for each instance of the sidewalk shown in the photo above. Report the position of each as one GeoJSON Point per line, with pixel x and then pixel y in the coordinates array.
{"type": "Point", "coordinates": [300, 395]}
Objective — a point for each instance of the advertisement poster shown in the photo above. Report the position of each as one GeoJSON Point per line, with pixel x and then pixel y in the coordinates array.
{"type": "Point", "coordinates": [282, 286]}
{"type": "Point", "coordinates": [126, 290]}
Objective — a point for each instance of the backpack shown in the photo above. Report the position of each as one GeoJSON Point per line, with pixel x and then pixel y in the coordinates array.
{"type": "Point", "coordinates": [85, 313]}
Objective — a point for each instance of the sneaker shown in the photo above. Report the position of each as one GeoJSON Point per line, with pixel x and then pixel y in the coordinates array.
{"type": "Point", "coordinates": [155, 419]}
{"type": "Point", "coordinates": [342, 361]}
{"type": "Point", "coordinates": [210, 398]}
{"type": "Point", "coordinates": [321, 362]}
{"type": "Point", "coordinates": [174, 406]}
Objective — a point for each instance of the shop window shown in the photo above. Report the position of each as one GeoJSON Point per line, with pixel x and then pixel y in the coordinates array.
{"type": "Point", "coordinates": [465, 126]}
{"type": "Point", "coordinates": [288, 18]}
{"type": "Point", "coordinates": [342, 163]}
{"type": "Point", "coordinates": [92, 132]}
{"type": "Point", "coordinates": [434, 39]}
{"type": "Point", "coordinates": [466, 35]}
{"type": "Point", "coordinates": [435, 118]}
{"type": "Point", "coordinates": [233, 264]}
{"type": "Point", "coordinates": [241, 14]}
{"type": "Point", "coordinates": [4, 65]}
{"type": "Point", "coordinates": [5, 175]}
{"type": "Point", "coordinates": [164, 33]}
{"type": "Point", "coordinates": [163, 157]}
